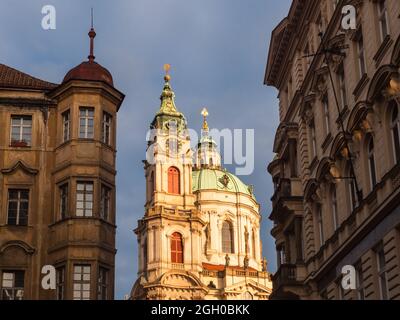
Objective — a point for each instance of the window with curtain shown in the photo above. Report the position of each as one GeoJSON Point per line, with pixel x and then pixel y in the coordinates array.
{"type": "Point", "coordinates": [227, 237]}
{"type": "Point", "coordinates": [173, 180]}
{"type": "Point", "coordinates": [176, 248]}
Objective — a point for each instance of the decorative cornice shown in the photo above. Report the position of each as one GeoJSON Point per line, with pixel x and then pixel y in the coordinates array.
{"type": "Point", "coordinates": [22, 166]}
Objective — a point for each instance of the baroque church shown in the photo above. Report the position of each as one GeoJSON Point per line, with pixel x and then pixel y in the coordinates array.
{"type": "Point", "coordinates": [200, 235]}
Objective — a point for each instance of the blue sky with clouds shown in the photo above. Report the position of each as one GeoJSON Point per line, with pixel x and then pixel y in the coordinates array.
{"type": "Point", "coordinates": [218, 51]}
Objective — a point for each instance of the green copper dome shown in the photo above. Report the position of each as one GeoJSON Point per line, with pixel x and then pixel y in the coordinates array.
{"type": "Point", "coordinates": [215, 179]}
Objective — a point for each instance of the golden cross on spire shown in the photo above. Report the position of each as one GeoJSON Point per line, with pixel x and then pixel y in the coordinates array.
{"type": "Point", "coordinates": [204, 113]}
{"type": "Point", "coordinates": [167, 67]}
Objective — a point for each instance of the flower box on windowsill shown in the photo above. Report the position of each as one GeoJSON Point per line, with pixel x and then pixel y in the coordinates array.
{"type": "Point", "coordinates": [19, 144]}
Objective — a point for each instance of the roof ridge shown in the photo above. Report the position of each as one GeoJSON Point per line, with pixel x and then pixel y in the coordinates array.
{"type": "Point", "coordinates": [13, 78]}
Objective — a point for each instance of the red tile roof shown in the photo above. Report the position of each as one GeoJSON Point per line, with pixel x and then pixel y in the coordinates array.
{"type": "Point", "coordinates": [12, 78]}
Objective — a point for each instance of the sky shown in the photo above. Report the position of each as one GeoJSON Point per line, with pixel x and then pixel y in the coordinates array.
{"type": "Point", "coordinates": [217, 50]}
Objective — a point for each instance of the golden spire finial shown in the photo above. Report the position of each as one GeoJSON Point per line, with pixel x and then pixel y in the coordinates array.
{"type": "Point", "coordinates": [167, 67]}
{"type": "Point", "coordinates": [204, 113]}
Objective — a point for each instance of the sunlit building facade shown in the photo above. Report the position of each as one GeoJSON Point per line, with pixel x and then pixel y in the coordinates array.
{"type": "Point", "coordinates": [336, 171]}
{"type": "Point", "coordinates": [57, 183]}
{"type": "Point", "coordinates": [200, 235]}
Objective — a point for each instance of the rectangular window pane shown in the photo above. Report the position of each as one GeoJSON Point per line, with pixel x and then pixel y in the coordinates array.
{"type": "Point", "coordinates": [84, 199]}
{"type": "Point", "coordinates": [86, 121]}
{"type": "Point", "coordinates": [12, 285]}
{"type": "Point", "coordinates": [21, 130]}
{"type": "Point", "coordinates": [18, 207]}
{"type": "Point", "coordinates": [81, 285]}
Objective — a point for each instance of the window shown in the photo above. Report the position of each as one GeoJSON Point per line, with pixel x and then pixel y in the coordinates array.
{"type": "Point", "coordinates": [60, 283]}
{"type": "Point", "coordinates": [313, 139]}
{"type": "Point", "coordinates": [281, 254]}
{"type": "Point", "coordinates": [172, 147]}
{"type": "Point", "coordinates": [66, 120]}
{"type": "Point", "coordinates": [325, 104]}
{"type": "Point", "coordinates": [12, 285]}
{"type": "Point", "coordinates": [64, 201]}
{"type": "Point", "coordinates": [371, 163]}
{"type": "Point", "coordinates": [86, 120]}
{"type": "Point", "coordinates": [335, 215]}
{"type": "Point", "coordinates": [352, 195]}
{"type": "Point", "coordinates": [21, 131]}
{"type": "Point", "coordinates": [105, 202]}
{"type": "Point", "coordinates": [320, 225]}
{"type": "Point", "coordinates": [395, 130]}
{"type": "Point", "coordinates": [106, 130]}
{"type": "Point", "coordinates": [102, 290]}
{"type": "Point", "coordinates": [227, 237]}
{"type": "Point", "coordinates": [361, 54]}
{"type": "Point", "coordinates": [81, 288]}
{"type": "Point", "coordinates": [342, 87]}
{"type": "Point", "coordinates": [359, 282]}
{"type": "Point", "coordinates": [253, 240]}
{"type": "Point", "coordinates": [381, 262]}
{"type": "Point", "coordinates": [173, 181]}
{"type": "Point", "coordinates": [84, 199]}
{"type": "Point", "coordinates": [307, 56]}
{"type": "Point", "coordinates": [383, 19]}
{"type": "Point", "coordinates": [176, 248]}
{"type": "Point", "coordinates": [18, 204]}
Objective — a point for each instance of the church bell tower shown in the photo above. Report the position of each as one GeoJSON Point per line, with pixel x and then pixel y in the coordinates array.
{"type": "Point", "coordinates": [169, 234]}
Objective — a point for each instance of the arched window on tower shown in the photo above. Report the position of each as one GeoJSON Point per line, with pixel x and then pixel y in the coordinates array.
{"type": "Point", "coordinates": [371, 162]}
{"type": "Point", "coordinates": [173, 180]}
{"type": "Point", "coordinates": [176, 248]}
{"type": "Point", "coordinates": [395, 130]}
{"type": "Point", "coordinates": [227, 237]}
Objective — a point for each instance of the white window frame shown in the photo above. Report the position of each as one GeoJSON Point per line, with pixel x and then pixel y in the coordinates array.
{"type": "Point", "coordinates": [22, 126]}
{"type": "Point", "coordinates": [87, 199]}
{"type": "Point", "coordinates": [107, 128]}
{"type": "Point", "coordinates": [81, 282]}
{"type": "Point", "coordinates": [9, 289]}
{"type": "Point", "coordinates": [87, 115]}
{"type": "Point", "coordinates": [66, 123]}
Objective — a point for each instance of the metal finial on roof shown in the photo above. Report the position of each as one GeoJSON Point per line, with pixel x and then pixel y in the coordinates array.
{"type": "Point", "coordinates": [204, 113]}
{"type": "Point", "coordinates": [92, 35]}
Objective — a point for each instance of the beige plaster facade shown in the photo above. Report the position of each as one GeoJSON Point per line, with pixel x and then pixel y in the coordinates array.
{"type": "Point", "coordinates": [336, 199]}
{"type": "Point", "coordinates": [208, 203]}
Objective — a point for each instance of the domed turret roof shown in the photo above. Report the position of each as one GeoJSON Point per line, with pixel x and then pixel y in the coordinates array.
{"type": "Point", "coordinates": [216, 179]}
{"type": "Point", "coordinates": [90, 70]}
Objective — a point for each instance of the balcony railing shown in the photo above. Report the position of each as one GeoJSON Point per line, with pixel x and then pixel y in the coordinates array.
{"type": "Point", "coordinates": [285, 276]}
{"type": "Point", "coordinates": [287, 188]}
{"type": "Point", "coordinates": [177, 266]}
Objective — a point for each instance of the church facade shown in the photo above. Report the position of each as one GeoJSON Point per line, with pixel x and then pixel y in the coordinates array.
{"type": "Point", "coordinates": [200, 235]}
